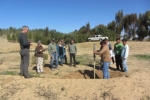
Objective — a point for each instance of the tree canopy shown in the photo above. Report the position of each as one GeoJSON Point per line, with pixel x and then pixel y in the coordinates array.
{"type": "Point", "coordinates": [131, 25]}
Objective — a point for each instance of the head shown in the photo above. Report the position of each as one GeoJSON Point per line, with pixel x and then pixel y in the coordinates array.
{"type": "Point", "coordinates": [72, 42]}
{"type": "Point", "coordinates": [52, 41]}
{"type": "Point", "coordinates": [124, 41]}
{"type": "Point", "coordinates": [25, 29]}
{"type": "Point", "coordinates": [60, 42]}
{"type": "Point", "coordinates": [118, 40]}
{"type": "Point", "coordinates": [103, 43]}
{"type": "Point", "coordinates": [39, 43]}
{"type": "Point", "coordinates": [106, 40]}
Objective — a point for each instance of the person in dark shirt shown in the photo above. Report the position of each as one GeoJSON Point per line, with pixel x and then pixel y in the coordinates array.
{"type": "Point", "coordinates": [60, 50]}
{"type": "Point", "coordinates": [65, 56]}
{"type": "Point", "coordinates": [24, 52]}
{"type": "Point", "coordinates": [39, 54]}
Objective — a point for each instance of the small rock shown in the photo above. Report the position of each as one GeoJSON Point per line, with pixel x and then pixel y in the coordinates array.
{"type": "Point", "coordinates": [63, 88]}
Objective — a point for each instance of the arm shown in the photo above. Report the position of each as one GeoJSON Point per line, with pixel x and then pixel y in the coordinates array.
{"type": "Point", "coordinates": [126, 52]}
{"type": "Point", "coordinates": [110, 47]}
{"type": "Point", "coordinates": [76, 48]}
{"type": "Point", "coordinates": [69, 48]}
{"type": "Point", "coordinates": [101, 52]}
{"type": "Point", "coordinates": [49, 49]}
{"type": "Point", "coordinates": [25, 41]}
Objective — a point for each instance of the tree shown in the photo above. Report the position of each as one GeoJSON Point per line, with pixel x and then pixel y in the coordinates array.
{"type": "Point", "coordinates": [8, 37]}
{"type": "Point", "coordinates": [46, 31]}
{"type": "Point", "coordinates": [130, 24]}
{"type": "Point", "coordinates": [13, 37]}
{"type": "Point", "coordinates": [119, 22]}
{"type": "Point", "coordinates": [112, 26]}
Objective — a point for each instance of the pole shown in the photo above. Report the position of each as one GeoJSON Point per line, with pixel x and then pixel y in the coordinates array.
{"type": "Point", "coordinates": [94, 48]}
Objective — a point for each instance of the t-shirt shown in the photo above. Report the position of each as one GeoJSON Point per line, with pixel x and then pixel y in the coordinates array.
{"type": "Point", "coordinates": [118, 48]}
{"type": "Point", "coordinates": [60, 50]}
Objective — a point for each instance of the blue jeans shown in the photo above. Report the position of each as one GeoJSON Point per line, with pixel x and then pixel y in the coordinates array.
{"type": "Point", "coordinates": [54, 56]}
{"type": "Point", "coordinates": [105, 70]}
{"type": "Point", "coordinates": [61, 59]}
{"type": "Point", "coordinates": [124, 64]}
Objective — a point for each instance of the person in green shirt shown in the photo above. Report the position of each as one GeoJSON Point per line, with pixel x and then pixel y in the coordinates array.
{"type": "Point", "coordinates": [52, 50]}
{"type": "Point", "coordinates": [117, 50]}
{"type": "Point", "coordinates": [72, 49]}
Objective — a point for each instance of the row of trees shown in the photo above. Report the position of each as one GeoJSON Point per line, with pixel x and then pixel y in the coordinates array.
{"type": "Point", "coordinates": [130, 24]}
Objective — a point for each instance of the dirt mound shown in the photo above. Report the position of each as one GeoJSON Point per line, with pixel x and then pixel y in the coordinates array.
{"type": "Point", "coordinates": [89, 74]}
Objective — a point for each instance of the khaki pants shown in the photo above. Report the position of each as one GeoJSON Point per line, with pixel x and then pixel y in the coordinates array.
{"type": "Point", "coordinates": [39, 64]}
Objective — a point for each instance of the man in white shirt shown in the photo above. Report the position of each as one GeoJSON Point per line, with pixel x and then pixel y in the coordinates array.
{"type": "Point", "coordinates": [124, 55]}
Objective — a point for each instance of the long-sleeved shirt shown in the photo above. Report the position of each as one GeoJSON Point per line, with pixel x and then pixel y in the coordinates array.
{"type": "Point", "coordinates": [52, 48]}
{"type": "Point", "coordinates": [118, 48]}
{"type": "Point", "coordinates": [125, 51]}
{"type": "Point", "coordinates": [23, 41]}
{"type": "Point", "coordinates": [72, 48]}
{"type": "Point", "coordinates": [39, 50]}
{"type": "Point", "coordinates": [105, 54]}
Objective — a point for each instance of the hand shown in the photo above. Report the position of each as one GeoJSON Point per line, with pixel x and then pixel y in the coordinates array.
{"type": "Point", "coordinates": [124, 58]}
{"type": "Point", "coordinates": [30, 43]}
{"type": "Point", "coordinates": [40, 50]}
{"type": "Point", "coordinates": [94, 52]}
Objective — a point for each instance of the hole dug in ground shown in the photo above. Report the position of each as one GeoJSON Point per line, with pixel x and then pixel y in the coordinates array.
{"type": "Point", "coordinates": [89, 74]}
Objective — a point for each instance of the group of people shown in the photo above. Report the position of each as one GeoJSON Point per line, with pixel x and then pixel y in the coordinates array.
{"type": "Point", "coordinates": [121, 52]}
{"type": "Point", "coordinates": [58, 52]}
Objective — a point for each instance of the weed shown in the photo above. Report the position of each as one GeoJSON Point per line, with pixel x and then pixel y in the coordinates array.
{"type": "Point", "coordinates": [9, 73]}
{"type": "Point", "coordinates": [45, 57]}
{"type": "Point", "coordinates": [143, 56]}
{"type": "Point", "coordinates": [33, 59]}
{"type": "Point", "coordinates": [1, 61]}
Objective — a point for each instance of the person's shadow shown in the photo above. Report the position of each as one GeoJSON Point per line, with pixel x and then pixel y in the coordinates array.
{"type": "Point", "coordinates": [111, 68]}
{"type": "Point", "coordinates": [88, 73]}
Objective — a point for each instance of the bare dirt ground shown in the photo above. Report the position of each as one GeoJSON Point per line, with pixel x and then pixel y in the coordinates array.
{"type": "Point", "coordinates": [69, 83]}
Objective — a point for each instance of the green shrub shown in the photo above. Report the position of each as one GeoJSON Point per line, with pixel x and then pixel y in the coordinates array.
{"type": "Point", "coordinates": [33, 59]}
{"type": "Point", "coordinates": [143, 56]}
{"type": "Point", "coordinates": [45, 57]}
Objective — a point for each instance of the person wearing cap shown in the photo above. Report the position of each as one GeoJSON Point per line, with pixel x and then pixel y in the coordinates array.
{"type": "Point", "coordinates": [39, 54]}
{"type": "Point", "coordinates": [124, 55]}
{"type": "Point", "coordinates": [117, 50]}
{"type": "Point", "coordinates": [72, 49]}
{"type": "Point", "coordinates": [105, 58]}
{"type": "Point", "coordinates": [52, 50]}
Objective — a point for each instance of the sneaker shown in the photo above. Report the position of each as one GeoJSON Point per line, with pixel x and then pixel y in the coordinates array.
{"type": "Point", "coordinates": [53, 69]}
{"type": "Point", "coordinates": [70, 65]}
{"type": "Point", "coordinates": [126, 74]}
{"type": "Point", "coordinates": [56, 68]}
{"type": "Point", "coordinates": [26, 77]}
